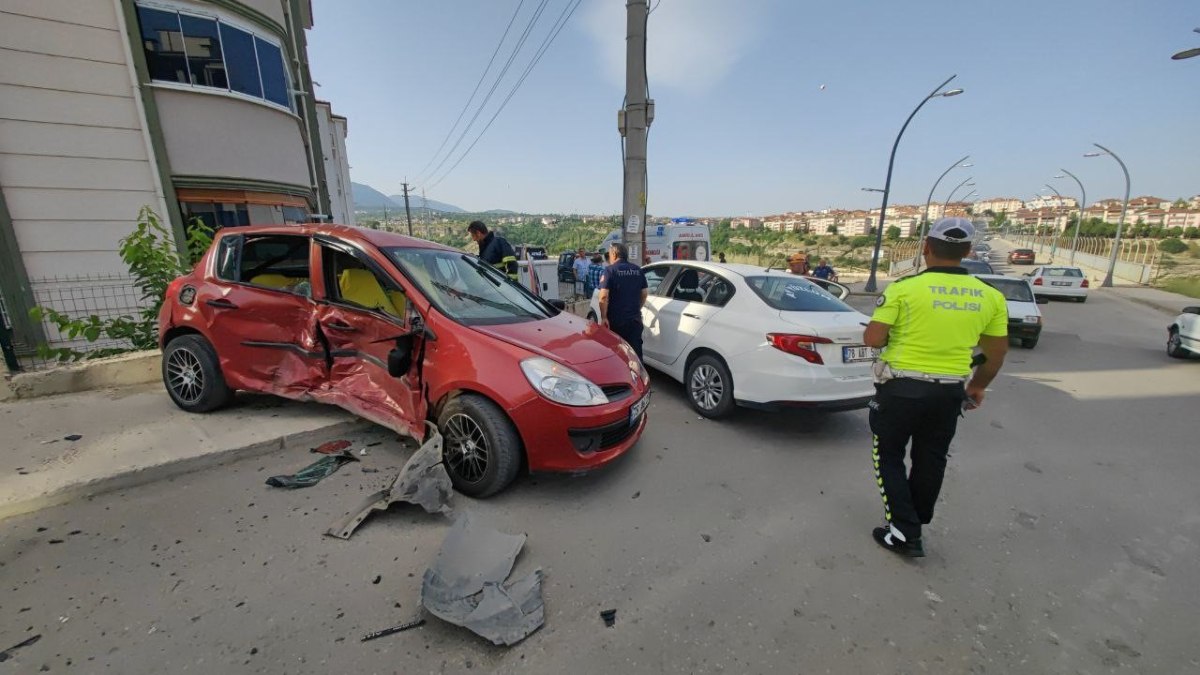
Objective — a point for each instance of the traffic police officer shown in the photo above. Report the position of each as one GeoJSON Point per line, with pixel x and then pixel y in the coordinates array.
{"type": "Point", "coordinates": [494, 250]}
{"type": "Point", "coordinates": [928, 326]}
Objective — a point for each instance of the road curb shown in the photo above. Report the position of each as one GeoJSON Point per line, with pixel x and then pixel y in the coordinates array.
{"type": "Point", "coordinates": [1153, 304]}
{"type": "Point", "coordinates": [137, 476]}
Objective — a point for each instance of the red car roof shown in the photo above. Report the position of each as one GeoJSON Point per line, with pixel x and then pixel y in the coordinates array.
{"type": "Point", "coordinates": [353, 233]}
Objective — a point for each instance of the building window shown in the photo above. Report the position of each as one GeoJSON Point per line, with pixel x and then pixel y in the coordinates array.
{"type": "Point", "coordinates": [216, 215]}
{"type": "Point", "coordinates": [205, 52]}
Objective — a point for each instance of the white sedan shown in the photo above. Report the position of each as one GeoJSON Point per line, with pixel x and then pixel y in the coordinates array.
{"type": "Point", "coordinates": [759, 338]}
{"type": "Point", "coordinates": [1059, 282]}
{"type": "Point", "coordinates": [1183, 335]}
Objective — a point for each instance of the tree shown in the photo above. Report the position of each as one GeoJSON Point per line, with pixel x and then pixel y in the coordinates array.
{"type": "Point", "coordinates": [893, 233]}
{"type": "Point", "coordinates": [833, 229]}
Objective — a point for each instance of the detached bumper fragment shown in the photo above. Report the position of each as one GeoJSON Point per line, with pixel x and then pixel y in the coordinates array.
{"type": "Point", "coordinates": [423, 481]}
{"type": "Point", "coordinates": [466, 586]}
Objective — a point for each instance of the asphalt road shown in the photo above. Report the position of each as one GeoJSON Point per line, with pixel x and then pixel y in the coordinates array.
{"type": "Point", "coordinates": [1066, 541]}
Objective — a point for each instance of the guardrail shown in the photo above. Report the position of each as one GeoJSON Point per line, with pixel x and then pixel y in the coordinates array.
{"type": "Point", "coordinates": [1135, 261]}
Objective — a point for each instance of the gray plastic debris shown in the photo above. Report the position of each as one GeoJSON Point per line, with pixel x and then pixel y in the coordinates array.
{"type": "Point", "coordinates": [423, 481]}
{"type": "Point", "coordinates": [465, 585]}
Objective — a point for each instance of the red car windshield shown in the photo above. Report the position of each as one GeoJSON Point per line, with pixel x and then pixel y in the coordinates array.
{"type": "Point", "coordinates": [466, 289]}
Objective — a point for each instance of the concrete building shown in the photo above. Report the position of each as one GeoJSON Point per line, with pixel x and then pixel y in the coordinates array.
{"type": "Point", "coordinates": [333, 129]}
{"type": "Point", "coordinates": [999, 204]}
{"type": "Point", "coordinates": [748, 223]}
{"type": "Point", "coordinates": [196, 108]}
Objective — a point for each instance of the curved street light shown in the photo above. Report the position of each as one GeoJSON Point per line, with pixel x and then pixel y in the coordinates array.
{"type": "Point", "coordinates": [1054, 241]}
{"type": "Point", "coordinates": [871, 286]}
{"type": "Point", "coordinates": [1187, 53]}
{"type": "Point", "coordinates": [1112, 259]}
{"type": "Point", "coordinates": [925, 218]}
{"type": "Point", "coordinates": [963, 184]}
{"type": "Point", "coordinates": [1082, 203]}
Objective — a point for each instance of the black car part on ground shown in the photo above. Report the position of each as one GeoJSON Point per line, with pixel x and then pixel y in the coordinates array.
{"type": "Point", "coordinates": [423, 481]}
{"type": "Point", "coordinates": [465, 586]}
{"type": "Point", "coordinates": [313, 473]}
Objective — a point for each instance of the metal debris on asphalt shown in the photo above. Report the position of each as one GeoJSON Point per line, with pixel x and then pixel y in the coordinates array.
{"type": "Point", "coordinates": [423, 481]}
{"type": "Point", "coordinates": [332, 447]}
{"type": "Point", "coordinates": [73, 437]}
{"type": "Point", "coordinates": [466, 587]}
{"type": "Point", "coordinates": [8, 653]}
{"type": "Point", "coordinates": [313, 473]}
{"type": "Point", "coordinates": [609, 616]}
{"type": "Point", "coordinates": [394, 629]}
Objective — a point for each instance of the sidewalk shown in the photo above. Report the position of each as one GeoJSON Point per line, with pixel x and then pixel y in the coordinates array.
{"type": "Point", "coordinates": [1164, 301]}
{"type": "Point", "coordinates": [136, 435]}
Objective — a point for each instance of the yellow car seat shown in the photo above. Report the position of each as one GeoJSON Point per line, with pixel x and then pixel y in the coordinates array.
{"type": "Point", "coordinates": [360, 287]}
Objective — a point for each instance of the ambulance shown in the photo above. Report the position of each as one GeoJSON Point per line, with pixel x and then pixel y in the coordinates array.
{"type": "Point", "coordinates": [680, 239]}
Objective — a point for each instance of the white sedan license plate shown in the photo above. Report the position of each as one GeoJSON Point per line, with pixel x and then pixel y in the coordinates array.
{"type": "Point", "coordinates": [857, 354]}
{"type": "Point", "coordinates": [1060, 283]}
{"type": "Point", "coordinates": [638, 409]}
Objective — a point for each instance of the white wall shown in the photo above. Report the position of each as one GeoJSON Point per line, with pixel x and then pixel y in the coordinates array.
{"type": "Point", "coordinates": [211, 134]}
{"type": "Point", "coordinates": [75, 162]}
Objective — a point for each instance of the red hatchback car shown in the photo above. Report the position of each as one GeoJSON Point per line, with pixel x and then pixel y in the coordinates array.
{"type": "Point", "coordinates": [403, 331]}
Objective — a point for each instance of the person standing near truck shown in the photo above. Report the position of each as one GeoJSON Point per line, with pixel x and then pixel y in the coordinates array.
{"type": "Point", "coordinates": [623, 291]}
{"type": "Point", "coordinates": [493, 249]}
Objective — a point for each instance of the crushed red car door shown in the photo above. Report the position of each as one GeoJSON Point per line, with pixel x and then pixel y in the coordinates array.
{"type": "Point", "coordinates": [364, 315]}
{"type": "Point", "coordinates": [259, 303]}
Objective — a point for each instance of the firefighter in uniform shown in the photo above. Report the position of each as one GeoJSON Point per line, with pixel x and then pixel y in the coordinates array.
{"type": "Point", "coordinates": [494, 250]}
{"type": "Point", "coordinates": [928, 326]}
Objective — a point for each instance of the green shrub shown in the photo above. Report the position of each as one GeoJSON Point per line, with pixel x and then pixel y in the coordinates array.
{"type": "Point", "coordinates": [861, 241]}
{"type": "Point", "coordinates": [153, 262]}
{"type": "Point", "coordinates": [1172, 245]}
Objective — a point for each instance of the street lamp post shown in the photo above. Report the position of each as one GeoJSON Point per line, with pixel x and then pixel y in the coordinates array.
{"type": "Point", "coordinates": [963, 184]}
{"type": "Point", "coordinates": [1188, 53]}
{"type": "Point", "coordinates": [1112, 259]}
{"type": "Point", "coordinates": [870, 286]}
{"type": "Point", "coordinates": [1054, 241]}
{"type": "Point", "coordinates": [1082, 204]}
{"type": "Point", "coordinates": [925, 217]}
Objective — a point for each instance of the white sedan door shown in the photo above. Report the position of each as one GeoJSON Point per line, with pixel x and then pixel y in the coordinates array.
{"type": "Point", "coordinates": [694, 296]}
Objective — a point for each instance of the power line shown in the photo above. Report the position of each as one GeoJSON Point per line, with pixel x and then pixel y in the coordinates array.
{"type": "Point", "coordinates": [476, 89]}
{"type": "Point", "coordinates": [500, 77]}
{"type": "Point", "coordinates": [564, 17]}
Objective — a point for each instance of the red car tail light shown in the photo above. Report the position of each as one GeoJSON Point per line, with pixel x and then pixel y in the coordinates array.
{"type": "Point", "coordinates": [1084, 284]}
{"type": "Point", "coordinates": [804, 346]}
{"type": "Point", "coordinates": [1037, 281]}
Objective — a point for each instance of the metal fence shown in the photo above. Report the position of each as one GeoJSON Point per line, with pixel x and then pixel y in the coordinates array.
{"type": "Point", "coordinates": [1136, 258]}
{"type": "Point", "coordinates": [78, 297]}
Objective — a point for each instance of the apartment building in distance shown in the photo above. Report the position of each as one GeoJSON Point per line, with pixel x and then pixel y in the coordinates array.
{"type": "Point", "coordinates": [199, 109]}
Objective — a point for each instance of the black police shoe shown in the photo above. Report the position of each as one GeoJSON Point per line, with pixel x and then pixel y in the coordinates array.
{"type": "Point", "coordinates": [909, 549]}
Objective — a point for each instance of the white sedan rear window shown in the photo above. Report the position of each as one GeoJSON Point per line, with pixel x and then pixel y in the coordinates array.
{"type": "Point", "coordinates": [1064, 272]}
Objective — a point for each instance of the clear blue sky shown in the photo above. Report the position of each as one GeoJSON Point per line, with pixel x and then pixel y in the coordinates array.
{"type": "Point", "coordinates": [742, 125]}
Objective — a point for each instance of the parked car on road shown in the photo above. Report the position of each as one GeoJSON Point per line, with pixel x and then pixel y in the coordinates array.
{"type": "Point", "coordinates": [1183, 335]}
{"type": "Point", "coordinates": [1059, 282]}
{"type": "Point", "coordinates": [760, 338]}
{"type": "Point", "coordinates": [977, 267]}
{"type": "Point", "coordinates": [1024, 315]}
{"type": "Point", "coordinates": [403, 332]}
{"type": "Point", "coordinates": [1021, 256]}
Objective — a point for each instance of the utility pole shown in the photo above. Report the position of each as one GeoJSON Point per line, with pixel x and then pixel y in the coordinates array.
{"type": "Point", "coordinates": [425, 215]}
{"type": "Point", "coordinates": [407, 213]}
{"type": "Point", "coordinates": [633, 123]}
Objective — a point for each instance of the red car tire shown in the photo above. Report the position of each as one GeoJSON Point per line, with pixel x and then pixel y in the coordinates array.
{"type": "Point", "coordinates": [482, 450]}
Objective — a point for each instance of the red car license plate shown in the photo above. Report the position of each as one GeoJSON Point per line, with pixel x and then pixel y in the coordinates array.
{"type": "Point", "coordinates": [638, 409]}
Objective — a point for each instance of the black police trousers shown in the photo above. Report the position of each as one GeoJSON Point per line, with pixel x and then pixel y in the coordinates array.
{"type": "Point", "coordinates": [631, 332]}
{"type": "Point", "coordinates": [925, 414]}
